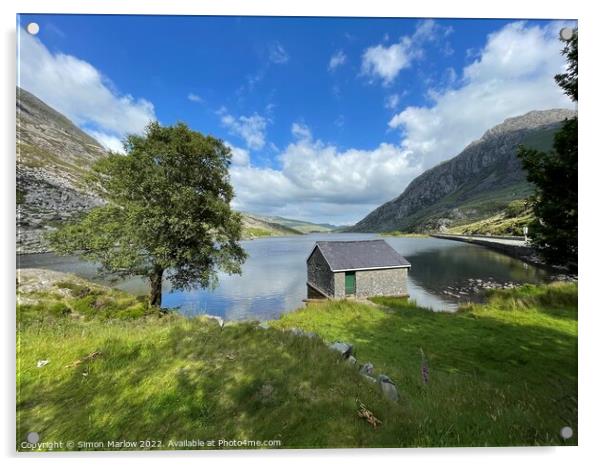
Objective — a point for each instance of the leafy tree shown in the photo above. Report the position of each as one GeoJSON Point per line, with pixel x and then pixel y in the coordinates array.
{"type": "Point", "coordinates": [167, 214]}
{"type": "Point", "coordinates": [554, 174]}
{"type": "Point", "coordinates": [568, 80]}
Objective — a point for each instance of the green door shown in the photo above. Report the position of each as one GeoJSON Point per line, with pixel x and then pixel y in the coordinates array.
{"type": "Point", "coordinates": [349, 282]}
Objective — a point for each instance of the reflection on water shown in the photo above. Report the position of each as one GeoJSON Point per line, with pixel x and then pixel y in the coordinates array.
{"type": "Point", "coordinates": [274, 276]}
{"type": "Point", "coordinates": [438, 264]}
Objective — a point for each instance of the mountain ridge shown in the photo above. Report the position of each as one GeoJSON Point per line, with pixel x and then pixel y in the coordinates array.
{"type": "Point", "coordinates": [478, 182]}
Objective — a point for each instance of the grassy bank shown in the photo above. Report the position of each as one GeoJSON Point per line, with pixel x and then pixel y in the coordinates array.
{"type": "Point", "coordinates": [503, 373]}
{"type": "Point", "coordinates": [511, 221]}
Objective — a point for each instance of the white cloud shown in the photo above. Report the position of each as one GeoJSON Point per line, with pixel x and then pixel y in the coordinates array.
{"type": "Point", "coordinates": [277, 54]}
{"type": "Point", "coordinates": [513, 74]}
{"type": "Point", "coordinates": [385, 62]}
{"type": "Point", "coordinates": [300, 131]}
{"type": "Point", "coordinates": [319, 182]}
{"type": "Point", "coordinates": [429, 30]}
{"type": "Point", "coordinates": [392, 101]}
{"type": "Point", "coordinates": [251, 128]}
{"type": "Point", "coordinates": [112, 143]}
{"type": "Point", "coordinates": [338, 59]}
{"type": "Point", "coordinates": [240, 157]}
{"type": "Point", "coordinates": [195, 97]}
{"type": "Point", "coordinates": [79, 91]}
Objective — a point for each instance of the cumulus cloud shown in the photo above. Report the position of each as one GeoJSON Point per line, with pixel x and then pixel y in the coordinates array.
{"type": "Point", "coordinates": [251, 128]}
{"type": "Point", "coordinates": [318, 181]}
{"type": "Point", "coordinates": [338, 59]}
{"type": "Point", "coordinates": [112, 143]}
{"type": "Point", "coordinates": [78, 90]}
{"type": "Point", "coordinates": [240, 156]}
{"type": "Point", "coordinates": [513, 74]}
{"type": "Point", "coordinates": [385, 62]}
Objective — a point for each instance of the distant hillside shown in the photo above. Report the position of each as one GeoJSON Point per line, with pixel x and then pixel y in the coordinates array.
{"type": "Point", "coordinates": [510, 221]}
{"type": "Point", "coordinates": [256, 226]}
{"type": "Point", "coordinates": [478, 183]}
{"type": "Point", "coordinates": [298, 225]}
{"type": "Point", "coordinates": [53, 156]}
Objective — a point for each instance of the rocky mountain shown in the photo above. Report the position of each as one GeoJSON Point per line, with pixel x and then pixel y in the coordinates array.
{"type": "Point", "coordinates": [477, 183]}
{"type": "Point", "coordinates": [53, 156]}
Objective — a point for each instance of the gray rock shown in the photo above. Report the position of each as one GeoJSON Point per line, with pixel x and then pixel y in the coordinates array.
{"type": "Point", "coordinates": [296, 331]}
{"type": "Point", "coordinates": [218, 319]}
{"type": "Point", "coordinates": [367, 369]}
{"type": "Point", "coordinates": [264, 325]}
{"type": "Point", "coordinates": [49, 191]}
{"type": "Point", "coordinates": [351, 360]}
{"type": "Point", "coordinates": [369, 378]}
{"type": "Point", "coordinates": [388, 387]}
{"type": "Point", "coordinates": [344, 348]}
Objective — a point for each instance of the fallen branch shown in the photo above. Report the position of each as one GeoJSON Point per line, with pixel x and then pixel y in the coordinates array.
{"type": "Point", "coordinates": [368, 415]}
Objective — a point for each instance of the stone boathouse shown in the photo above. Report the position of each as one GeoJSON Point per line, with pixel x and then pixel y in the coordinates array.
{"type": "Point", "coordinates": [339, 269]}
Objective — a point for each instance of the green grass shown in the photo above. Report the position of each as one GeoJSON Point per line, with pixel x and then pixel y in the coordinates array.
{"type": "Point", "coordinates": [474, 206]}
{"type": "Point", "coordinates": [81, 301]}
{"type": "Point", "coordinates": [510, 221]}
{"type": "Point", "coordinates": [503, 373]}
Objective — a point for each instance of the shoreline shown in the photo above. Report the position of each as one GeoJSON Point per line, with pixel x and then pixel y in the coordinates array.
{"type": "Point", "coordinates": [521, 252]}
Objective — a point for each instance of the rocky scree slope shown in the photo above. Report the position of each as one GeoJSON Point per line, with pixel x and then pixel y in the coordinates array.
{"type": "Point", "coordinates": [53, 157]}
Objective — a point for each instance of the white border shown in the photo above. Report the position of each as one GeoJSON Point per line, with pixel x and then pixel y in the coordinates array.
{"type": "Point", "coordinates": [590, 171]}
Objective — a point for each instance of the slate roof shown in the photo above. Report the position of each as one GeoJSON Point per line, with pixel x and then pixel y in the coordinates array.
{"type": "Point", "coordinates": [360, 255]}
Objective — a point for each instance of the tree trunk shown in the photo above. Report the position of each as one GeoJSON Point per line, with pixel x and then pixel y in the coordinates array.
{"type": "Point", "coordinates": [156, 282]}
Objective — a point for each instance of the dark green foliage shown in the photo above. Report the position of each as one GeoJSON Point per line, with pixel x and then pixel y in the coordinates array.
{"type": "Point", "coordinates": [555, 176]}
{"type": "Point", "coordinates": [568, 81]}
{"type": "Point", "coordinates": [167, 213]}
{"type": "Point", "coordinates": [516, 208]}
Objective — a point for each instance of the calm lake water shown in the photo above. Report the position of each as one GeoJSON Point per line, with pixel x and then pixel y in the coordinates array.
{"type": "Point", "coordinates": [273, 280]}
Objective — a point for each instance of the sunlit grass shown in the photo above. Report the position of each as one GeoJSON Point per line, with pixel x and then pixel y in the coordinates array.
{"type": "Point", "coordinates": [502, 373]}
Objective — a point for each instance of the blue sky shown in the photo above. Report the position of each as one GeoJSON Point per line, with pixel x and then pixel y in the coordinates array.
{"type": "Point", "coordinates": [327, 117]}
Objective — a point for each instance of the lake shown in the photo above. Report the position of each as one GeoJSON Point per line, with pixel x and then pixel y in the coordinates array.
{"type": "Point", "coordinates": [273, 279]}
